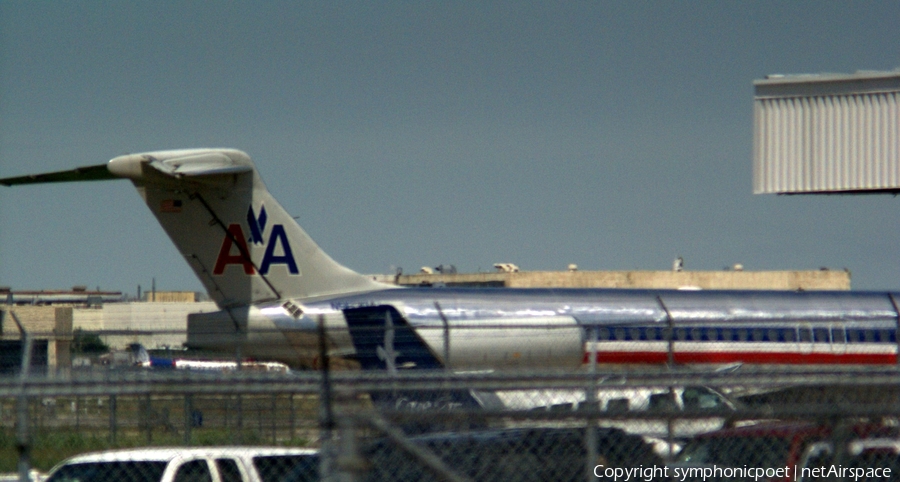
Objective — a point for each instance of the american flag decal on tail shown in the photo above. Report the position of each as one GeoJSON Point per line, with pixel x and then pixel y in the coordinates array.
{"type": "Point", "coordinates": [170, 206]}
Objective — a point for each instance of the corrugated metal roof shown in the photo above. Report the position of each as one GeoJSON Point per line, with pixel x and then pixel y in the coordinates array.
{"type": "Point", "coordinates": [827, 133]}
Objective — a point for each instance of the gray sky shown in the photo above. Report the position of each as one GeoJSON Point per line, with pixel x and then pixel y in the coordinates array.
{"type": "Point", "coordinates": [614, 135]}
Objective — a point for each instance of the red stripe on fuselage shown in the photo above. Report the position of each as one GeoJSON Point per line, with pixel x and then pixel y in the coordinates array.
{"type": "Point", "coordinates": [656, 357]}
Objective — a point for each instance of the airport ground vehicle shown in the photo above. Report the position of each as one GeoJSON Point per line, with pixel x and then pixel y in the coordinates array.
{"type": "Point", "coordinates": [868, 459]}
{"type": "Point", "coordinates": [190, 464]}
{"type": "Point", "coordinates": [658, 404]}
{"type": "Point", "coordinates": [778, 449]}
{"type": "Point", "coordinates": [776, 446]}
{"type": "Point", "coordinates": [532, 454]}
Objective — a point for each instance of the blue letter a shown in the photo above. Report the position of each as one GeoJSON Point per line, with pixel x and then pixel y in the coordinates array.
{"type": "Point", "coordinates": [287, 258]}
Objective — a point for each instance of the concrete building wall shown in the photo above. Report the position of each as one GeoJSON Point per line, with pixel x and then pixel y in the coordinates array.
{"type": "Point", "coordinates": [50, 323]}
{"type": "Point", "coordinates": [39, 321]}
{"type": "Point", "coordinates": [155, 325]}
{"type": "Point", "coordinates": [741, 280]}
{"type": "Point", "coordinates": [170, 296]}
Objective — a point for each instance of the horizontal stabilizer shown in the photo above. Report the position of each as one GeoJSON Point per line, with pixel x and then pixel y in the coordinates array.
{"type": "Point", "coordinates": [200, 164]}
{"type": "Point", "coordinates": [87, 173]}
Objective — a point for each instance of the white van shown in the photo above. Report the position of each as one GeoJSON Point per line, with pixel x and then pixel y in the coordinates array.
{"type": "Point", "coordinates": [191, 464]}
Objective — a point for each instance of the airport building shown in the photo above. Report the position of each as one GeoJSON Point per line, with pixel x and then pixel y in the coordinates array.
{"type": "Point", "coordinates": [827, 133]}
{"type": "Point", "coordinates": [54, 319]}
{"type": "Point", "coordinates": [735, 279]}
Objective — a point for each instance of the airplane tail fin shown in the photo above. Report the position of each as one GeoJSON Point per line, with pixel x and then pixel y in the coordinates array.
{"type": "Point", "coordinates": [239, 241]}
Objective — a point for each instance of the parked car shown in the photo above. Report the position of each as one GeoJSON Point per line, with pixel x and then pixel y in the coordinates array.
{"type": "Point", "coordinates": [522, 454]}
{"type": "Point", "coordinates": [190, 464]}
{"type": "Point", "coordinates": [769, 446]}
{"type": "Point", "coordinates": [665, 416]}
{"type": "Point", "coordinates": [756, 446]}
{"type": "Point", "coordinates": [864, 460]}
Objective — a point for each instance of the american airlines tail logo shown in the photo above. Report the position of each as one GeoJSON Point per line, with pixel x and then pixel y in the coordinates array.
{"type": "Point", "coordinates": [257, 224]}
{"type": "Point", "coordinates": [236, 240]}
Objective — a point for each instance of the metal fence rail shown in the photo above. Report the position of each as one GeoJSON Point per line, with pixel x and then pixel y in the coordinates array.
{"type": "Point", "coordinates": [550, 425]}
{"type": "Point", "coordinates": [585, 422]}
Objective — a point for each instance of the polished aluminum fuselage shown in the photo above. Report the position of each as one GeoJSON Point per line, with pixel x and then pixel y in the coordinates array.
{"type": "Point", "coordinates": [554, 328]}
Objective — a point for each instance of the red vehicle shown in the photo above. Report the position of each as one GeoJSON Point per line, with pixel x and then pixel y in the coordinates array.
{"type": "Point", "coordinates": [767, 451]}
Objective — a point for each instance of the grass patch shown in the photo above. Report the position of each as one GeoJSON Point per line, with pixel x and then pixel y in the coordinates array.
{"type": "Point", "coordinates": [48, 449]}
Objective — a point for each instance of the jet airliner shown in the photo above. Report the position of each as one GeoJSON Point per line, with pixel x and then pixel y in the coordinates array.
{"type": "Point", "coordinates": [273, 284]}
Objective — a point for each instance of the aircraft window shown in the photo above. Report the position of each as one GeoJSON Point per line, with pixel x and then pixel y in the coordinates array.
{"type": "Point", "coordinates": [884, 335]}
{"type": "Point", "coordinates": [805, 334]}
{"type": "Point", "coordinates": [635, 333]}
{"type": "Point", "coordinates": [854, 335]}
{"type": "Point", "coordinates": [773, 334]}
{"type": "Point", "coordinates": [757, 334]}
{"type": "Point", "coordinates": [821, 335]}
{"type": "Point", "coordinates": [602, 334]}
{"type": "Point", "coordinates": [620, 334]}
{"type": "Point", "coordinates": [681, 334]}
{"type": "Point", "coordinates": [870, 335]}
{"type": "Point", "coordinates": [656, 333]}
{"type": "Point", "coordinates": [696, 334]}
{"type": "Point", "coordinates": [727, 335]}
{"type": "Point", "coordinates": [837, 335]}
{"type": "Point", "coordinates": [789, 335]}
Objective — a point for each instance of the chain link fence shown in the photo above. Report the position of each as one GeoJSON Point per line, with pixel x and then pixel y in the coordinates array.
{"type": "Point", "coordinates": [591, 423]}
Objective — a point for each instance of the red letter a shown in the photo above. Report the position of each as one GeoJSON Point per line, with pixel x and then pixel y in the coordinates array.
{"type": "Point", "coordinates": [235, 233]}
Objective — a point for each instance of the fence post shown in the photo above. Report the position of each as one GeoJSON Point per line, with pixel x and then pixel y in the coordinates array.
{"type": "Point", "coordinates": [23, 430]}
{"type": "Point", "coordinates": [148, 416]}
{"type": "Point", "coordinates": [446, 324]}
{"type": "Point", "coordinates": [293, 421]}
{"type": "Point", "coordinates": [113, 428]}
{"type": "Point", "coordinates": [590, 398]}
{"type": "Point", "coordinates": [897, 327]}
{"type": "Point", "coordinates": [23, 437]}
{"type": "Point", "coordinates": [670, 425]}
{"type": "Point", "coordinates": [188, 418]}
{"type": "Point", "coordinates": [349, 464]}
{"type": "Point", "coordinates": [274, 419]}
{"type": "Point", "coordinates": [239, 419]}
{"type": "Point", "coordinates": [326, 416]}
{"type": "Point", "coordinates": [670, 332]}
{"type": "Point", "coordinates": [226, 419]}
